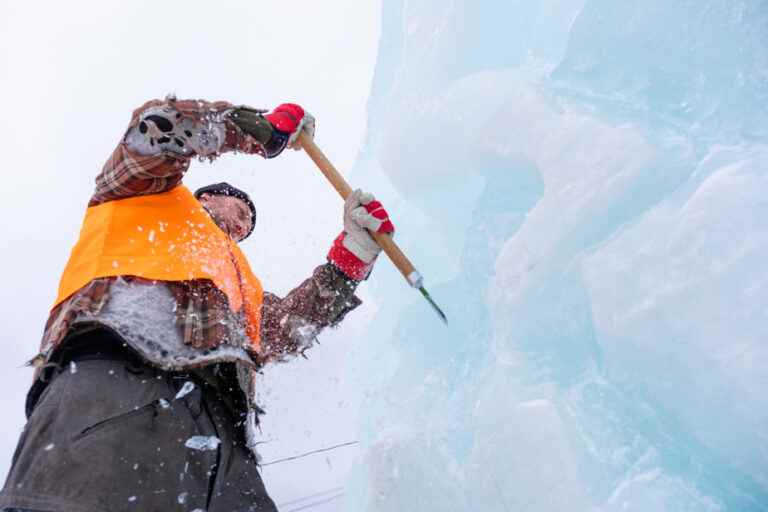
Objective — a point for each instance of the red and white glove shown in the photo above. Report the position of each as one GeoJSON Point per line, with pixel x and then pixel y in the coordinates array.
{"type": "Point", "coordinates": [354, 251]}
{"type": "Point", "coordinates": [291, 120]}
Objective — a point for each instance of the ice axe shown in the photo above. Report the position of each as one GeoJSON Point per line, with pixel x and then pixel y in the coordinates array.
{"type": "Point", "coordinates": [384, 240]}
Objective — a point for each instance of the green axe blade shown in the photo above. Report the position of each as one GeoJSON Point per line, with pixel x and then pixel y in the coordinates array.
{"type": "Point", "coordinates": [432, 303]}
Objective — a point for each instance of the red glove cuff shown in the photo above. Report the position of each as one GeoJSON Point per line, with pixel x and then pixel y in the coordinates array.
{"type": "Point", "coordinates": [286, 117]}
{"type": "Point", "coordinates": [347, 262]}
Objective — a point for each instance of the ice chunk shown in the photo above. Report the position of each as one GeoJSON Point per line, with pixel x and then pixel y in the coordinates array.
{"type": "Point", "coordinates": [185, 390]}
{"type": "Point", "coordinates": [203, 443]}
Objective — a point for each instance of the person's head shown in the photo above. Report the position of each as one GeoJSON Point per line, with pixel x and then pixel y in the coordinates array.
{"type": "Point", "coordinates": [230, 208]}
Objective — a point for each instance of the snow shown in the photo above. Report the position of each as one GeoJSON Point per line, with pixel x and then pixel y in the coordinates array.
{"type": "Point", "coordinates": [582, 184]}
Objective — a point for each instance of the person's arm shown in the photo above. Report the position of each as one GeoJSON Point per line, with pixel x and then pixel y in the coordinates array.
{"type": "Point", "coordinates": [164, 136]}
{"type": "Point", "coordinates": [290, 325]}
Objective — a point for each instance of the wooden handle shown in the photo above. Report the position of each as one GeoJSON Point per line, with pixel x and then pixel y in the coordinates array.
{"type": "Point", "coordinates": [384, 240]}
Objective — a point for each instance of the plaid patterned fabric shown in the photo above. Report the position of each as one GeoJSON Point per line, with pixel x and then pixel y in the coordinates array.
{"type": "Point", "coordinates": [202, 313]}
{"type": "Point", "coordinates": [128, 174]}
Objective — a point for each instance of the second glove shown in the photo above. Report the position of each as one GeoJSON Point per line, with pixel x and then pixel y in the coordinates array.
{"type": "Point", "coordinates": [354, 251]}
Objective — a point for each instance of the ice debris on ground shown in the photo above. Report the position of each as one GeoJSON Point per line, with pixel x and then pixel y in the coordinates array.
{"type": "Point", "coordinates": [203, 443]}
{"type": "Point", "coordinates": [582, 183]}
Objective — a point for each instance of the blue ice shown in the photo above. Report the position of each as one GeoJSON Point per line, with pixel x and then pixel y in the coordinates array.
{"type": "Point", "coordinates": [584, 184]}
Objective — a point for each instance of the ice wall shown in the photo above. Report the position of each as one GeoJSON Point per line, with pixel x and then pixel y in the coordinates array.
{"type": "Point", "coordinates": [585, 185]}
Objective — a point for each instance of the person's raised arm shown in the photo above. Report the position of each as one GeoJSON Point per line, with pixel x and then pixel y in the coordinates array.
{"type": "Point", "coordinates": [163, 137]}
{"type": "Point", "coordinates": [290, 325]}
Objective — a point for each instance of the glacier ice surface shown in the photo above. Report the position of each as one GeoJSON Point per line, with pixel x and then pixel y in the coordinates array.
{"type": "Point", "coordinates": [584, 185]}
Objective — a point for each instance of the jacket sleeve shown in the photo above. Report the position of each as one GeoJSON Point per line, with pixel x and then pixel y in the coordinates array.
{"type": "Point", "coordinates": [290, 325]}
{"type": "Point", "coordinates": [164, 136]}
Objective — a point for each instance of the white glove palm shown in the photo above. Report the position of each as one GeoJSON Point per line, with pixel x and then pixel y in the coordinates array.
{"type": "Point", "coordinates": [357, 221]}
{"type": "Point", "coordinates": [355, 250]}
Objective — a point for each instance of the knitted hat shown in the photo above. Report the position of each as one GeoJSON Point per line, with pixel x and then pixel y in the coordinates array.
{"type": "Point", "coordinates": [225, 189]}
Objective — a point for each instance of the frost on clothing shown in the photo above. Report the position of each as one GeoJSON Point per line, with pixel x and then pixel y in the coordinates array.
{"type": "Point", "coordinates": [144, 315]}
{"type": "Point", "coordinates": [158, 131]}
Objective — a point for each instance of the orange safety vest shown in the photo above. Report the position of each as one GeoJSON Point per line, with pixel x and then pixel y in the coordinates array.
{"type": "Point", "coordinates": [164, 237]}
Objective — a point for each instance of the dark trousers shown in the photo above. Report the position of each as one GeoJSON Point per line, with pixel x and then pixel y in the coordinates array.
{"type": "Point", "coordinates": [107, 435]}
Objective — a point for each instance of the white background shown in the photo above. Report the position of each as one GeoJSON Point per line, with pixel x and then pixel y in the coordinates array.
{"type": "Point", "coordinates": [70, 75]}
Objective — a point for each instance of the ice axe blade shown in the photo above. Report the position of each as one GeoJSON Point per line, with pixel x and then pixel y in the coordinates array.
{"type": "Point", "coordinates": [434, 305]}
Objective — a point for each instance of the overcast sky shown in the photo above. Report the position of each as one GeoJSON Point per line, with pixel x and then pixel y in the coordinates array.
{"type": "Point", "coordinates": [72, 72]}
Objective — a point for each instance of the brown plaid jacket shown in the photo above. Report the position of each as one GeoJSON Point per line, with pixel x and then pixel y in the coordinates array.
{"type": "Point", "coordinates": [202, 313]}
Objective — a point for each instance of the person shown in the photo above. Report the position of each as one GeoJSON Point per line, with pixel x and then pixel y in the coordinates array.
{"type": "Point", "coordinates": [145, 383]}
